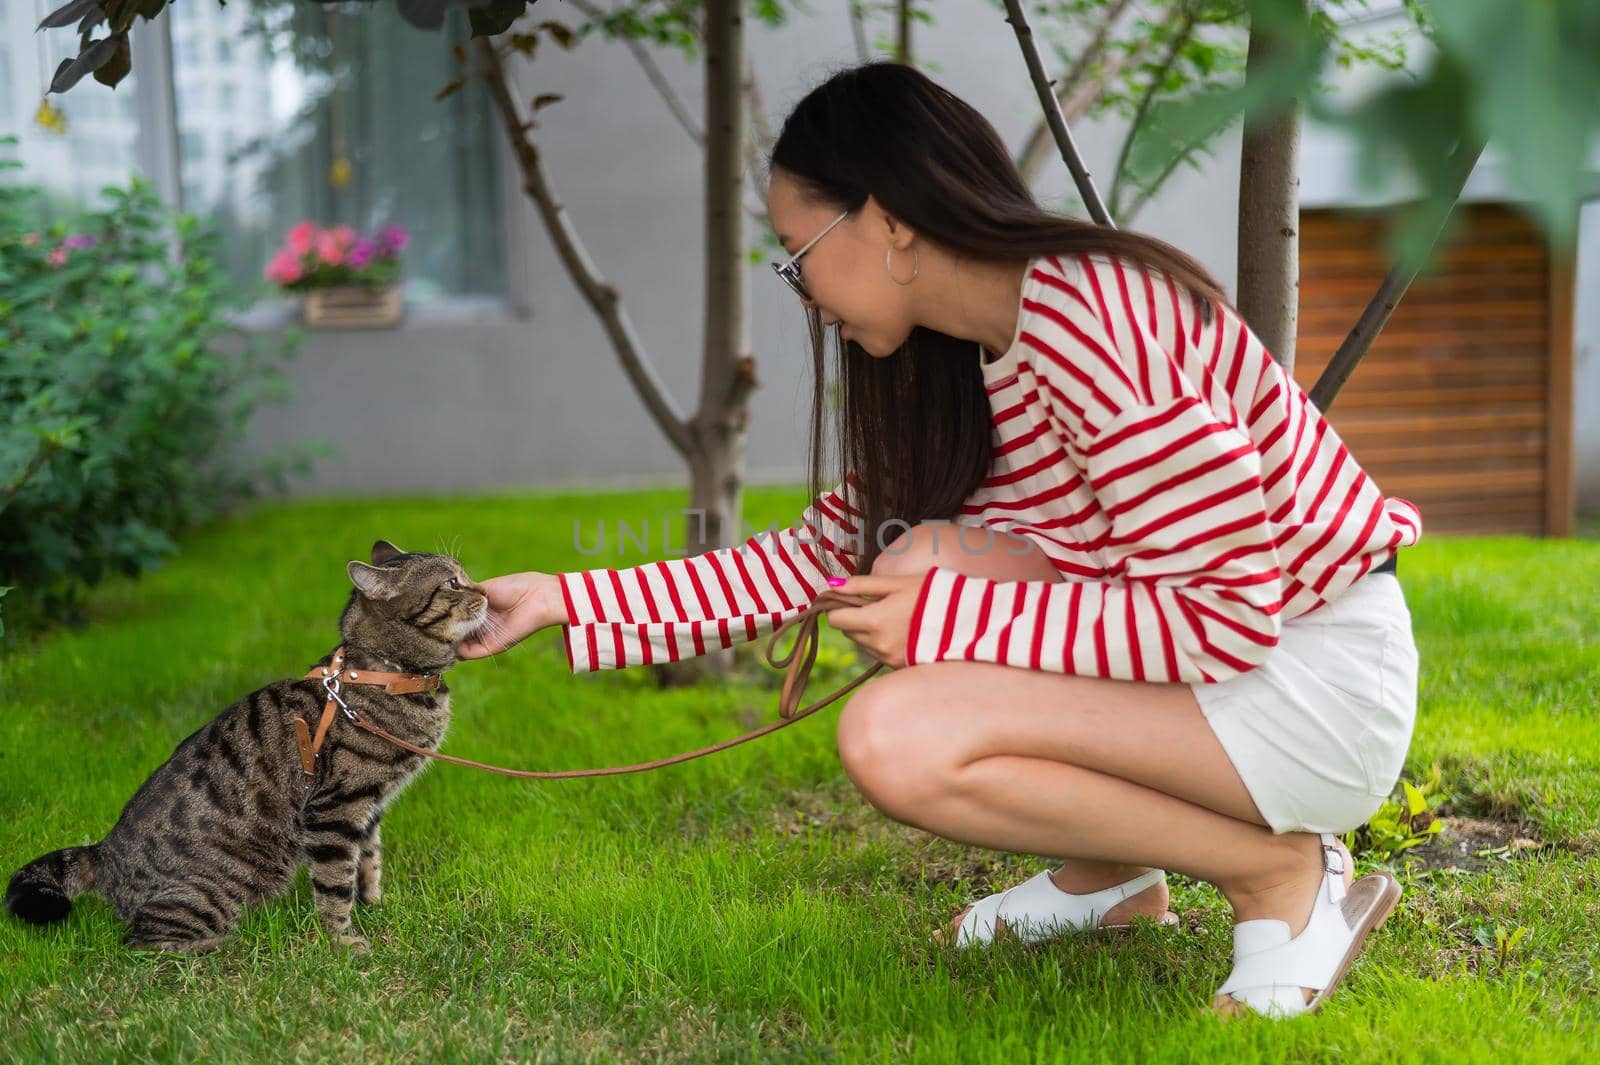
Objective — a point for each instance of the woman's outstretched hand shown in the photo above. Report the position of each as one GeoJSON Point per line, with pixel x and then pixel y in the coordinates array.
{"type": "Point", "coordinates": [520, 604]}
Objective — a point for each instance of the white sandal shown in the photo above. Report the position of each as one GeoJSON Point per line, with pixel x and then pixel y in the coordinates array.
{"type": "Point", "coordinates": [1038, 910]}
{"type": "Point", "coordinates": [1270, 968]}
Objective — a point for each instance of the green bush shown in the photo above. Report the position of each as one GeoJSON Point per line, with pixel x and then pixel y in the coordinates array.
{"type": "Point", "coordinates": [119, 410]}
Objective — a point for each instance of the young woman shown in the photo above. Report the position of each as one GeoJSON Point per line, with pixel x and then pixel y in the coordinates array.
{"type": "Point", "coordinates": [1146, 596]}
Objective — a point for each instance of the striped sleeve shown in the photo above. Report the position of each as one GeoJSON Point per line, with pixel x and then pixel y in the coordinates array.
{"type": "Point", "coordinates": [685, 607]}
{"type": "Point", "coordinates": [1192, 586]}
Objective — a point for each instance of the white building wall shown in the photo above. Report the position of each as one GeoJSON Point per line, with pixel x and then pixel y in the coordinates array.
{"type": "Point", "coordinates": [527, 392]}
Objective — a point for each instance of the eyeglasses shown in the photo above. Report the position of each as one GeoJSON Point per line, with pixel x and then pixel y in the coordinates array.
{"type": "Point", "coordinates": [790, 271]}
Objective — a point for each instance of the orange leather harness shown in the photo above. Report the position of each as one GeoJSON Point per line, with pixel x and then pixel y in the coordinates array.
{"type": "Point", "coordinates": [334, 677]}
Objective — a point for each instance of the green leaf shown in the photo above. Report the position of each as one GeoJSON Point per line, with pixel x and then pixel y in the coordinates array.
{"type": "Point", "coordinates": [1415, 803]}
{"type": "Point", "coordinates": [1533, 91]}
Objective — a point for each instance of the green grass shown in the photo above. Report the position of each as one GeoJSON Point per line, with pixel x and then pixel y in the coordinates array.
{"type": "Point", "coordinates": [746, 906]}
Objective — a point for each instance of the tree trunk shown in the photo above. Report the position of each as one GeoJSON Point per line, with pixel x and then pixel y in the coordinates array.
{"type": "Point", "coordinates": [712, 441]}
{"type": "Point", "coordinates": [720, 427]}
{"type": "Point", "coordinates": [1269, 217]}
{"type": "Point", "coordinates": [902, 37]}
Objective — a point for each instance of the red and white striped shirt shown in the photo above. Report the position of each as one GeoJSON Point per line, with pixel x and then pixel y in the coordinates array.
{"type": "Point", "coordinates": [1189, 493]}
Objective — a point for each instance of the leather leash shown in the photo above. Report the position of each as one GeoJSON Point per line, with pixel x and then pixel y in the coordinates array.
{"type": "Point", "coordinates": [798, 667]}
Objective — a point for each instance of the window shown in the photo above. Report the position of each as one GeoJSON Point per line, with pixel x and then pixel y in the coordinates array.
{"type": "Point", "coordinates": [270, 94]}
{"type": "Point", "coordinates": [341, 127]}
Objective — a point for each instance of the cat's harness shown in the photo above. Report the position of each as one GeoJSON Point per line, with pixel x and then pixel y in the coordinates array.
{"type": "Point", "coordinates": [334, 677]}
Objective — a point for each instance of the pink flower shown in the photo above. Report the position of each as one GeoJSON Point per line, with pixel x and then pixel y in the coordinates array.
{"type": "Point", "coordinates": [79, 241]}
{"type": "Point", "coordinates": [344, 236]}
{"type": "Point", "coordinates": [58, 256]}
{"type": "Point", "coordinates": [302, 238]}
{"type": "Point", "coordinates": [329, 249]}
{"type": "Point", "coordinates": [285, 268]}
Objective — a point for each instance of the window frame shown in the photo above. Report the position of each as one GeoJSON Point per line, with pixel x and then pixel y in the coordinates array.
{"type": "Point", "coordinates": [157, 153]}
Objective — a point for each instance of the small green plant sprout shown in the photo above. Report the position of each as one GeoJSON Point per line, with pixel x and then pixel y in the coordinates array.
{"type": "Point", "coordinates": [1502, 940]}
{"type": "Point", "coordinates": [1401, 823]}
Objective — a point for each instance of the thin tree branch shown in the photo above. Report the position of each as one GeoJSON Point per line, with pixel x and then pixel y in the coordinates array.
{"type": "Point", "coordinates": [1389, 293]}
{"type": "Point", "coordinates": [674, 102]}
{"type": "Point", "coordinates": [600, 294]}
{"type": "Point", "coordinates": [1039, 140]}
{"type": "Point", "coordinates": [1180, 37]}
{"type": "Point", "coordinates": [1052, 111]}
{"type": "Point", "coordinates": [759, 142]}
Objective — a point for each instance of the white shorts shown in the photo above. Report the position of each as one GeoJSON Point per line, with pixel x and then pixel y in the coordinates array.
{"type": "Point", "coordinates": [1319, 731]}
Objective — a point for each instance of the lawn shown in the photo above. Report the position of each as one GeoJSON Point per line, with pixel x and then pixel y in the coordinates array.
{"type": "Point", "coordinates": [748, 907]}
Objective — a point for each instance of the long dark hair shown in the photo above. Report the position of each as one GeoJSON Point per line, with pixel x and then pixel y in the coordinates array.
{"type": "Point", "coordinates": [914, 428]}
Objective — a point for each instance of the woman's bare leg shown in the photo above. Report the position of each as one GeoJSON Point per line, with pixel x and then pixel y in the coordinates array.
{"type": "Point", "coordinates": [1005, 557]}
{"type": "Point", "coordinates": [1110, 772]}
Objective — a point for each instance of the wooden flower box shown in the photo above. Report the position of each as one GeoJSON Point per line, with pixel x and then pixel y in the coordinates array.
{"type": "Point", "coordinates": [354, 306]}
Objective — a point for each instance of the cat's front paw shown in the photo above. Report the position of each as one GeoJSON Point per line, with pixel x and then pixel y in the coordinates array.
{"type": "Point", "coordinates": [353, 942]}
{"type": "Point", "coordinates": [369, 895]}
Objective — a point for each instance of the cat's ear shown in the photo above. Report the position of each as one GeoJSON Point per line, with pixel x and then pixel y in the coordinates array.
{"type": "Point", "coordinates": [375, 583]}
{"type": "Point", "coordinates": [383, 551]}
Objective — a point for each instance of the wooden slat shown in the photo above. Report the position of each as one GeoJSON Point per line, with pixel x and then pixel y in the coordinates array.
{"type": "Point", "coordinates": [1502, 448]}
{"type": "Point", "coordinates": [1386, 425]}
{"type": "Point", "coordinates": [1430, 371]}
{"type": "Point", "coordinates": [1348, 229]}
{"type": "Point", "coordinates": [1459, 506]}
{"type": "Point", "coordinates": [1485, 483]}
{"type": "Point", "coordinates": [1336, 318]}
{"type": "Point", "coordinates": [1486, 397]}
{"type": "Point", "coordinates": [1325, 344]}
{"type": "Point", "coordinates": [1486, 259]}
{"type": "Point", "coordinates": [1353, 292]}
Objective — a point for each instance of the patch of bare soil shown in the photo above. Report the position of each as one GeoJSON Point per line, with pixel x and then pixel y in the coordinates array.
{"type": "Point", "coordinates": [1474, 844]}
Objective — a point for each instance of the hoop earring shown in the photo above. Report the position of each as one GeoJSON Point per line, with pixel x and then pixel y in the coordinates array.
{"type": "Point", "coordinates": [888, 265]}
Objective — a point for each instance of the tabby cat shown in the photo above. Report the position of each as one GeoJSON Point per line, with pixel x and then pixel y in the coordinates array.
{"type": "Point", "coordinates": [227, 820]}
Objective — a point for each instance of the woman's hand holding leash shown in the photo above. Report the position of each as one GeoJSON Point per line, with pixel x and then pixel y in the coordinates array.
{"type": "Point", "coordinates": [882, 625]}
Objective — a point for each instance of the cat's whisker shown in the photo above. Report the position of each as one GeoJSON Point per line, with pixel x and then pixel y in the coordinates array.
{"type": "Point", "coordinates": [498, 632]}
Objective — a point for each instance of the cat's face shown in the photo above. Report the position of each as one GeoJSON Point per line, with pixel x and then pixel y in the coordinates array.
{"type": "Point", "coordinates": [431, 594]}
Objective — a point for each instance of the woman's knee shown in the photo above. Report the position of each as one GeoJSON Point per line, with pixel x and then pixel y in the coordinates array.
{"type": "Point", "coordinates": [976, 551]}
{"type": "Point", "coordinates": [884, 750]}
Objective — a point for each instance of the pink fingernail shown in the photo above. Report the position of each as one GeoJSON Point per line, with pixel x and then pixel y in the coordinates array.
{"type": "Point", "coordinates": [835, 582]}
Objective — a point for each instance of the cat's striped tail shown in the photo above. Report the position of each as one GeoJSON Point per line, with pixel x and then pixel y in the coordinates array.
{"type": "Point", "coordinates": [42, 891]}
